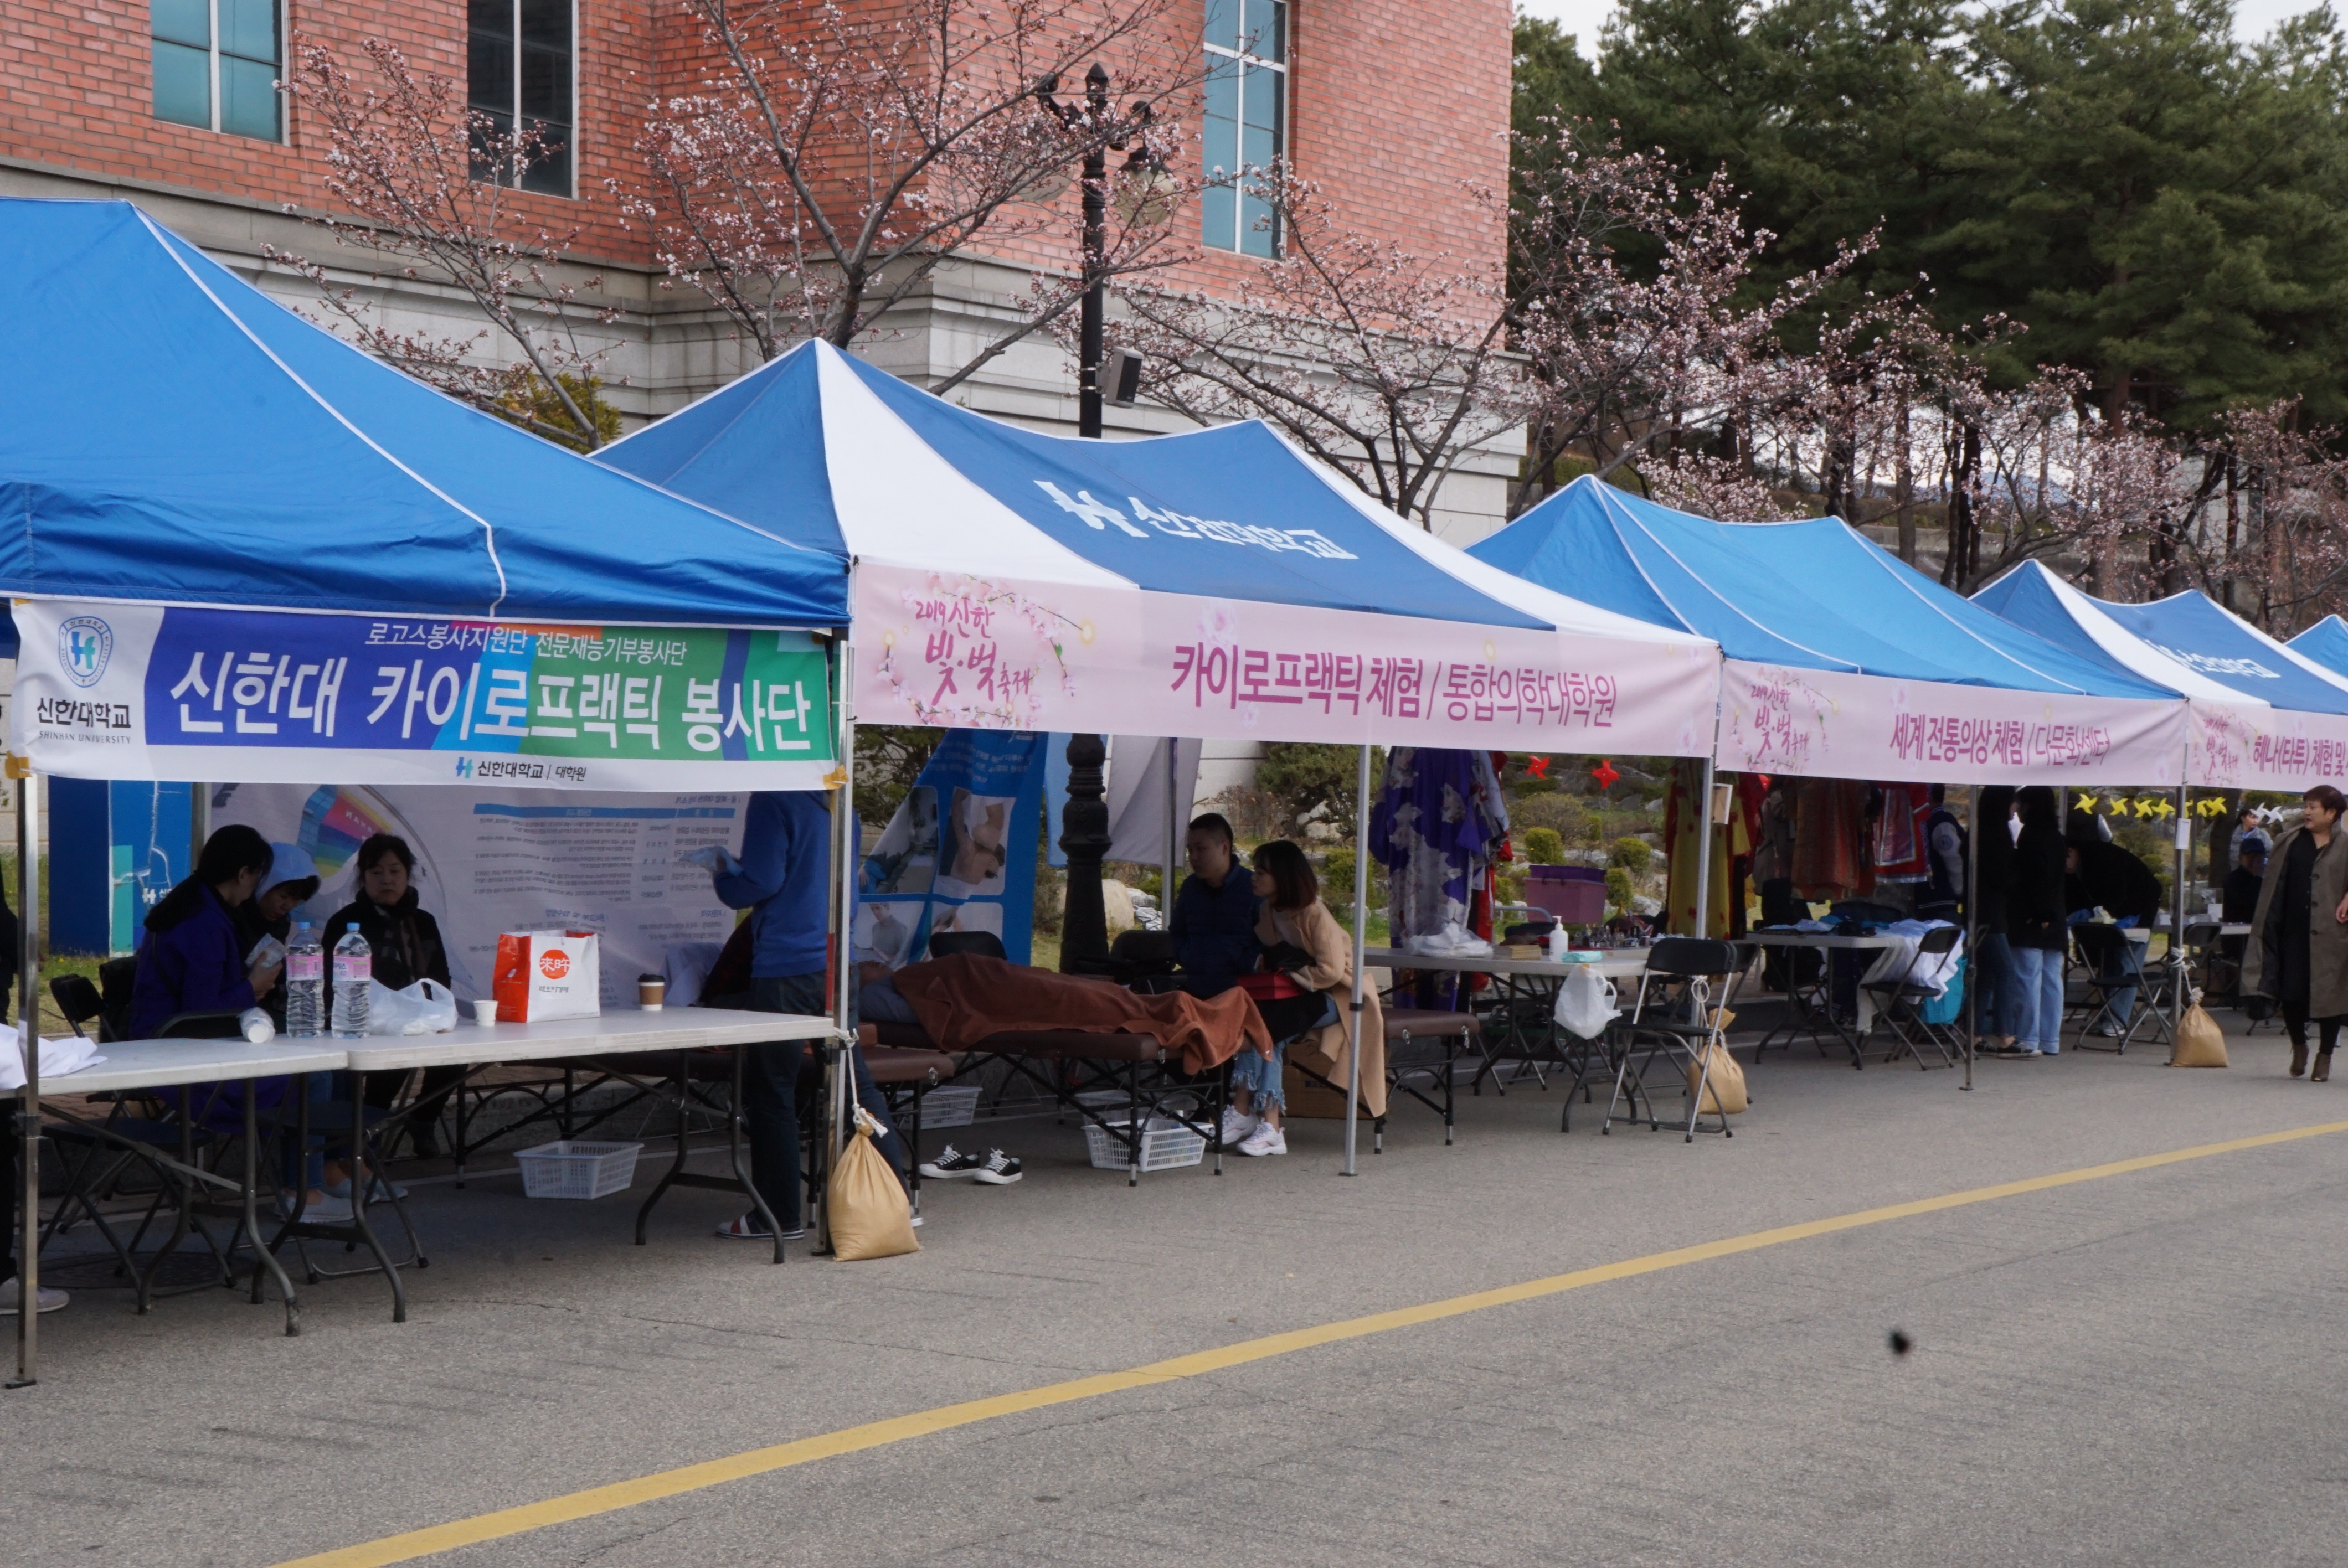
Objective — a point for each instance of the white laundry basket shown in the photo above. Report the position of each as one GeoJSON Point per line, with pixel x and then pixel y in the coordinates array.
{"type": "Point", "coordinates": [577, 1168]}
{"type": "Point", "coordinates": [1166, 1144]}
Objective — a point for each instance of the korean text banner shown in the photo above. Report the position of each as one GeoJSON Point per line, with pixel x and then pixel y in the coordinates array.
{"type": "Point", "coordinates": [2247, 745]}
{"type": "Point", "coordinates": [960, 853]}
{"type": "Point", "coordinates": [1830, 724]}
{"type": "Point", "coordinates": [166, 691]}
{"type": "Point", "coordinates": [937, 648]}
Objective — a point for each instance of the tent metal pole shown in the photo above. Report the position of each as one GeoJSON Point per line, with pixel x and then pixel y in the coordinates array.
{"type": "Point", "coordinates": [1972, 927]}
{"type": "Point", "coordinates": [1361, 944]}
{"type": "Point", "coordinates": [2176, 923]}
{"type": "Point", "coordinates": [200, 820]}
{"type": "Point", "coordinates": [844, 849]}
{"type": "Point", "coordinates": [28, 1102]}
{"type": "Point", "coordinates": [1173, 836]}
{"type": "Point", "coordinates": [1704, 854]}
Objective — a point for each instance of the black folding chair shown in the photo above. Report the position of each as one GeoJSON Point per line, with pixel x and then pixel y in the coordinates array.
{"type": "Point", "coordinates": [1900, 1004]}
{"type": "Point", "coordinates": [1683, 1030]}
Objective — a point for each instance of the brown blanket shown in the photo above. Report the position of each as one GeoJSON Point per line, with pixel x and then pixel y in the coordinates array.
{"type": "Point", "coordinates": [963, 998]}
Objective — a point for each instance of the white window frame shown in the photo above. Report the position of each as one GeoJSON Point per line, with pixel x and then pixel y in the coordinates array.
{"type": "Point", "coordinates": [1243, 59]}
{"type": "Point", "coordinates": [212, 54]}
{"type": "Point", "coordinates": [514, 87]}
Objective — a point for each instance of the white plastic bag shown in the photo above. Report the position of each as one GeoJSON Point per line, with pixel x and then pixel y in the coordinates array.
{"type": "Point", "coordinates": [427, 1007]}
{"type": "Point", "coordinates": [1586, 1003]}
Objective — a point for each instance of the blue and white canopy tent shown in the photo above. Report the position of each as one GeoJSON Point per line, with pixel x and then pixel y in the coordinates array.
{"type": "Point", "coordinates": [1213, 585]}
{"type": "Point", "coordinates": [2325, 643]}
{"type": "Point", "coordinates": [2262, 715]}
{"type": "Point", "coordinates": [241, 551]}
{"type": "Point", "coordinates": [1841, 662]}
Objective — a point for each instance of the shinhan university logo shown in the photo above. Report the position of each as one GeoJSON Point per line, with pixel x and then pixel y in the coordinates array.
{"type": "Point", "coordinates": [85, 643]}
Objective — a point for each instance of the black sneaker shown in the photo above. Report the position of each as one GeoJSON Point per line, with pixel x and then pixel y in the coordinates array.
{"type": "Point", "coordinates": [998, 1170]}
{"type": "Point", "coordinates": [953, 1163]}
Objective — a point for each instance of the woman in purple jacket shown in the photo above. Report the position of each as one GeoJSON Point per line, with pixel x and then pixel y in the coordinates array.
{"type": "Point", "coordinates": [194, 957]}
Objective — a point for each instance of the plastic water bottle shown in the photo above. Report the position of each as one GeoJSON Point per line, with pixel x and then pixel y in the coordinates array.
{"type": "Point", "coordinates": [354, 965]}
{"type": "Point", "coordinates": [305, 984]}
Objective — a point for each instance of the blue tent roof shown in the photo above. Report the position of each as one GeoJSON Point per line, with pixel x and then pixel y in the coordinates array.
{"type": "Point", "coordinates": [167, 433]}
{"type": "Point", "coordinates": [2188, 641]}
{"type": "Point", "coordinates": [1816, 594]}
{"type": "Point", "coordinates": [2326, 642]}
{"type": "Point", "coordinates": [779, 447]}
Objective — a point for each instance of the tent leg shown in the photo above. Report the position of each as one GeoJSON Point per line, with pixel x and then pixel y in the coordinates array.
{"type": "Point", "coordinates": [844, 849]}
{"type": "Point", "coordinates": [1361, 935]}
{"type": "Point", "coordinates": [1972, 930]}
{"type": "Point", "coordinates": [2176, 923]}
{"type": "Point", "coordinates": [1174, 827]}
{"type": "Point", "coordinates": [28, 1040]}
{"type": "Point", "coordinates": [1704, 854]}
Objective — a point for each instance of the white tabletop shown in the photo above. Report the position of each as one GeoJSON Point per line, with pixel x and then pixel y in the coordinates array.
{"type": "Point", "coordinates": [160, 1063]}
{"type": "Point", "coordinates": [672, 1029]}
{"type": "Point", "coordinates": [1613, 962]}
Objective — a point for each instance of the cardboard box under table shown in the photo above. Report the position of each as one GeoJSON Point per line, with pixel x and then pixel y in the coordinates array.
{"type": "Point", "coordinates": [473, 1046]}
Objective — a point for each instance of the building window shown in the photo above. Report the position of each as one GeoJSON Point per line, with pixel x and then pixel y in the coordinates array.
{"type": "Point", "coordinates": [217, 64]}
{"type": "Point", "coordinates": [1246, 121]}
{"type": "Point", "coordinates": [519, 62]}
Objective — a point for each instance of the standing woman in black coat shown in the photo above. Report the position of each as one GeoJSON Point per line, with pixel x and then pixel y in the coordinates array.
{"type": "Point", "coordinates": [2037, 923]}
{"type": "Point", "coordinates": [1992, 877]}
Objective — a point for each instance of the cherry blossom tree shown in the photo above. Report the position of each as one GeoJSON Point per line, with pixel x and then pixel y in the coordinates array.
{"type": "Point", "coordinates": [832, 157]}
{"type": "Point", "coordinates": [401, 157]}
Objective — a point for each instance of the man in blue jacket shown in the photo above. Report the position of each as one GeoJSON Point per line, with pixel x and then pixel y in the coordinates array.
{"type": "Point", "coordinates": [1213, 923]}
{"type": "Point", "coordinates": [783, 879]}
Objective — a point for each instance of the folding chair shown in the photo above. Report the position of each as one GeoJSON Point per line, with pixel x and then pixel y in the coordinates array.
{"type": "Point", "coordinates": [1900, 1004]}
{"type": "Point", "coordinates": [2094, 1008]}
{"type": "Point", "coordinates": [2169, 979]}
{"type": "Point", "coordinates": [1686, 968]}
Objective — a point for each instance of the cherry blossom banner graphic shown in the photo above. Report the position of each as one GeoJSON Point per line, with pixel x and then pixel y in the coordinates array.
{"type": "Point", "coordinates": [936, 648]}
{"type": "Point", "coordinates": [2247, 746]}
{"type": "Point", "coordinates": [247, 696]}
{"type": "Point", "coordinates": [1827, 724]}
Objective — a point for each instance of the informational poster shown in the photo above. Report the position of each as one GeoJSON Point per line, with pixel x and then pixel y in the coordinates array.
{"type": "Point", "coordinates": [489, 861]}
{"type": "Point", "coordinates": [149, 691]}
{"type": "Point", "coordinates": [960, 853]}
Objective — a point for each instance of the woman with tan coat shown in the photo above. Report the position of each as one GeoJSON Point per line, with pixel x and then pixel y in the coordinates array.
{"type": "Point", "coordinates": [2299, 954]}
{"type": "Point", "coordinates": [1304, 941]}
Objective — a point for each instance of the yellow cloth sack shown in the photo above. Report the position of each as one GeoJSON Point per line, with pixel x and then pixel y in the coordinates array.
{"type": "Point", "coordinates": [869, 1213]}
{"type": "Point", "coordinates": [2199, 1042]}
{"type": "Point", "coordinates": [1724, 1088]}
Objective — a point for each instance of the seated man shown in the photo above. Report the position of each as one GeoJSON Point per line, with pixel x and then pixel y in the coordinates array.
{"type": "Point", "coordinates": [1214, 922]}
{"type": "Point", "coordinates": [2240, 896]}
{"type": "Point", "coordinates": [2107, 877]}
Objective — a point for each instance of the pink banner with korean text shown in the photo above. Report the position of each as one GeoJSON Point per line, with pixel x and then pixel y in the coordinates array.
{"type": "Point", "coordinates": [1831, 724]}
{"type": "Point", "coordinates": [937, 648]}
{"type": "Point", "coordinates": [2250, 746]}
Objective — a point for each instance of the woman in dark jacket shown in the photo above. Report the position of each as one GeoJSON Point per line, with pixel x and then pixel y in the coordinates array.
{"type": "Point", "coordinates": [192, 959]}
{"type": "Point", "coordinates": [2300, 952]}
{"type": "Point", "coordinates": [404, 941]}
{"type": "Point", "coordinates": [2037, 923]}
{"type": "Point", "coordinates": [1999, 990]}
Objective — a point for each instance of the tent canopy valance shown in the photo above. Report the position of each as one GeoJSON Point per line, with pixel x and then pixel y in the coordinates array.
{"type": "Point", "coordinates": [244, 552]}
{"type": "Point", "coordinates": [1841, 660]}
{"type": "Point", "coordinates": [2262, 715]}
{"type": "Point", "coordinates": [1213, 584]}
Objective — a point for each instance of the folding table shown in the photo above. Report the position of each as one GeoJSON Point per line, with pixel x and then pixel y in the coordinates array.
{"type": "Point", "coordinates": [143, 1064]}
{"type": "Point", "coordinates": [1810, 1009]}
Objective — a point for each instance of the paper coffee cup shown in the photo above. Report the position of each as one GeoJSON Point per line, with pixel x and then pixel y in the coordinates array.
{"type": "Point", "coordinates": [650, 990]}
{"type": "Point", "coordinates": [485, 1011]}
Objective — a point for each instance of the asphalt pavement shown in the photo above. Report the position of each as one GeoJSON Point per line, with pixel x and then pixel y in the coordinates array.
{"type": "Point", "coordinates": [2137, 1368]}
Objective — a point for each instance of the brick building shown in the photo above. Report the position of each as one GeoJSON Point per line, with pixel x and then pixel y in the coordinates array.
{"type": "Point", "coordinates": [170, 102]}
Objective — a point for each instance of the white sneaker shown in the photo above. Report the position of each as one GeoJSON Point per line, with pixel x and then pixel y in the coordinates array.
{"type": "Point", "coordinates": [1238, 1124]}
{"type": "Point", "coordinates": [11, 1297]}
{"type": "Point", "coordinates": [325, 1212]}
{"type": "Point", "coordinates": [1266, 1139]}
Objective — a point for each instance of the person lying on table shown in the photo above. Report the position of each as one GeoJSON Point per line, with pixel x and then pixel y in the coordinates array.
{"type": "Point", "coordinates": [193, 961]}
{"type": "Point", "coordinates": [1213, 926]}
{"type": "Point", "coordinates": [404, 947]}
{"type": "Point", "coordinates": [1302, 940]}
{"type": "Point", "coordinates": [783, 878]}
{"type": "Point", "coordinates": [290, 881]}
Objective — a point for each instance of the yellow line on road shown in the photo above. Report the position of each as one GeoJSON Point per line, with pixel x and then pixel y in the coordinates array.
{"type": "Point", "coordinates": [438, 1538]}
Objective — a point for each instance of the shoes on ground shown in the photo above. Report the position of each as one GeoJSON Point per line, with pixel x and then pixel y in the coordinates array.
{"type": "Point", "coordinates": [998, 1170]}
{"type": "Point", "coordinates": [1236, 1125]}
{"type": "Point", "coordinates": [952, 1164]}
{"type": "Point", "coordinates": [328, 1210]}
{"type": "Point", "coordinates": [377, 1192]}
{"type": "Point", "coordinates": [2022, 1050]}
{"type": "Point", "coordinates": [750, 1227]}
{"type": "Point", "coordinates": [1266, 1139]}
{"type": "Point", "coordinates": [11, 1297]}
